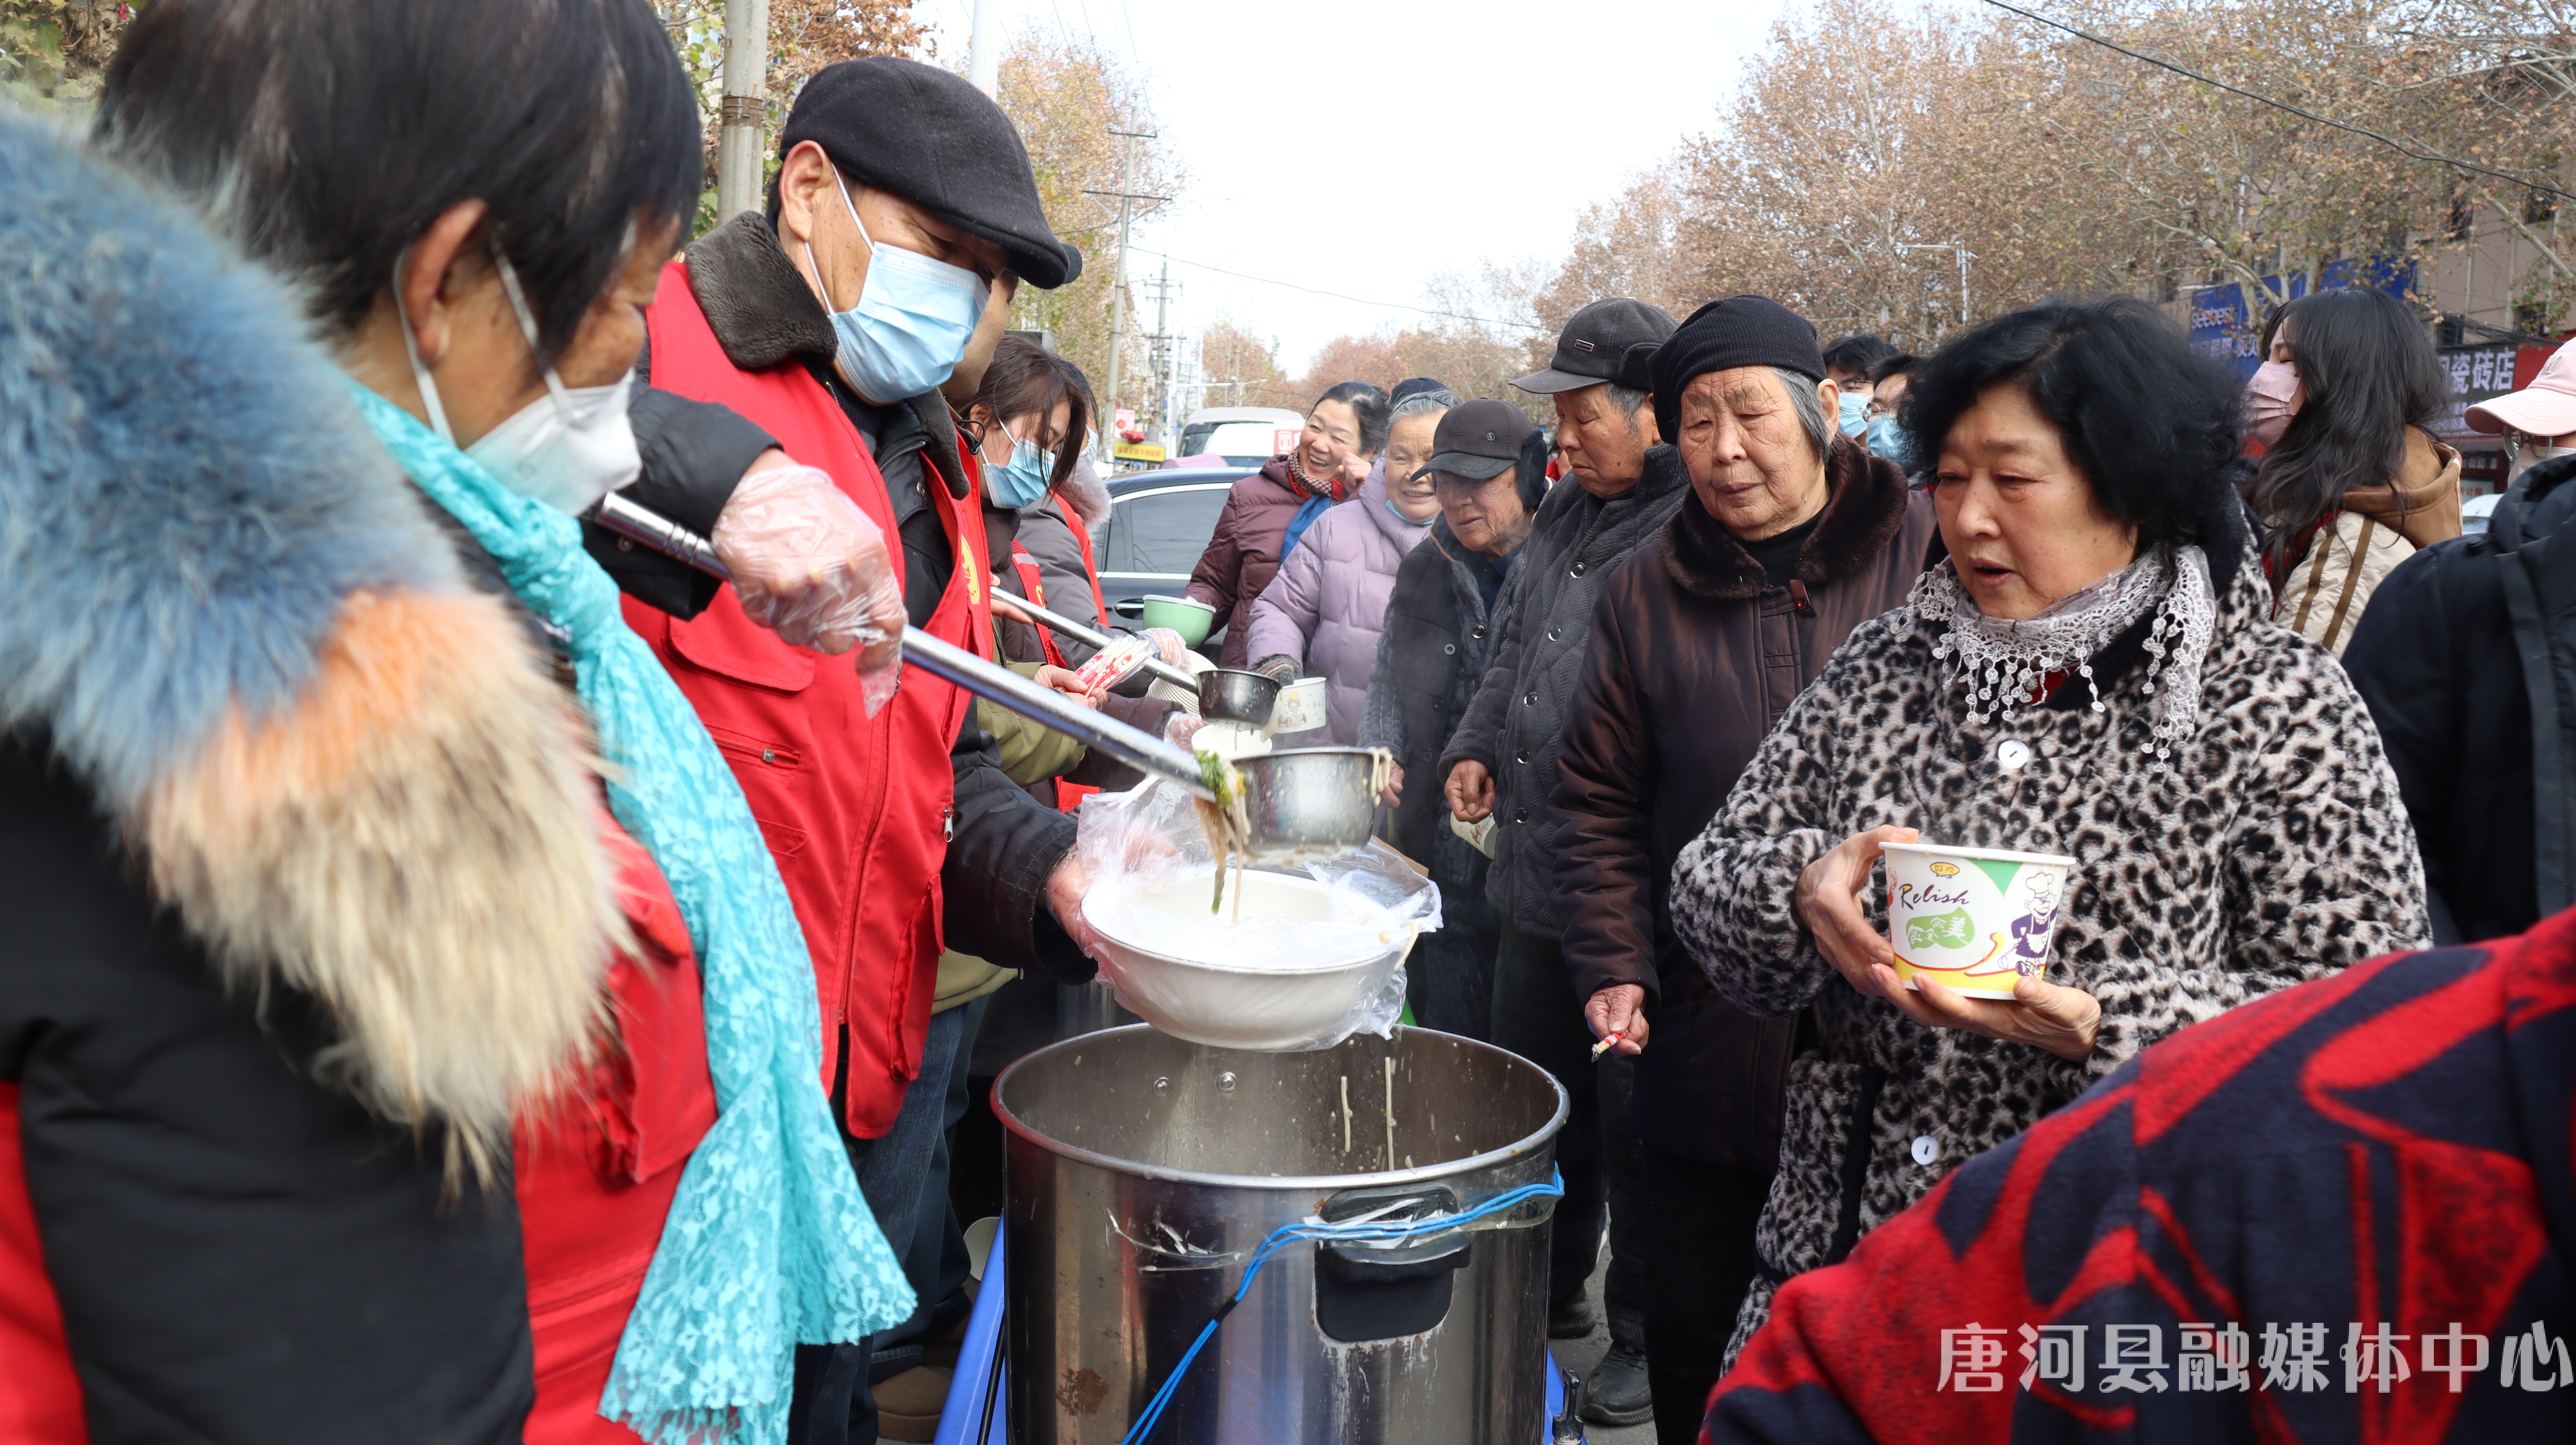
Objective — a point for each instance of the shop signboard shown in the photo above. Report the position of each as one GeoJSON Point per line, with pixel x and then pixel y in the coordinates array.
{"type": "Point", "coordinates": [2478, 371]}
{"type": "Point", "coordinates": [2225, 326]}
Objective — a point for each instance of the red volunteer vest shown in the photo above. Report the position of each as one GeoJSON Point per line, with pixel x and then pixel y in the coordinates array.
{"type": "Point", "coordinates": [856, 809]}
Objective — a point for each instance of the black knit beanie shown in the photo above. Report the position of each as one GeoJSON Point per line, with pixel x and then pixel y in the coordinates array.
{"type": "Point", "coordinates": [1738, 331]}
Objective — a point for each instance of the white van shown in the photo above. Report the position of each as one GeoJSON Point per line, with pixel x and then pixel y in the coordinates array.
{"type": "Point", "coordinates": [1246, 436]}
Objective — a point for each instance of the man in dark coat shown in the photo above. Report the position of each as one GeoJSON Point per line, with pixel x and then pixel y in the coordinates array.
{"type": "Point", "coordinates": [1791, 536]}
{"type": "Point", "coordinates": [2344, 1211]}
{"type": "Point", "coordinates": [1439, 634]}
{"type": "Point", "coordinates": [1501, 764]}
{"type": "Point", "coordinates": [2444, 657]}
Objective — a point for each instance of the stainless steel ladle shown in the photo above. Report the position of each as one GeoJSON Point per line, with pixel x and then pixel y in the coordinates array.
{"type": "Point", "coordinates": [1304, 803]}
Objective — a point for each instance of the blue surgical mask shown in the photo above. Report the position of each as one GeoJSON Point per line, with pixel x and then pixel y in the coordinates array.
{"type": "Point", "coordinates": [1887, 440]}
{"type": "Point", "coordinates": [910, 327]}
{"type": "Point", "coordinates": [1022, 480]}
{"type": "Point", "coordinates": [1855, 414]}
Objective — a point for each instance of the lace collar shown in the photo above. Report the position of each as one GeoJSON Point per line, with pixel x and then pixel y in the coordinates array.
{"type": "Point", "coordinates": [2003, 662]}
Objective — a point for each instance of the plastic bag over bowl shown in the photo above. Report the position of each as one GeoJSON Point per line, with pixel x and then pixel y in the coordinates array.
{"type": "Point", "coordinates": [1283, 958]}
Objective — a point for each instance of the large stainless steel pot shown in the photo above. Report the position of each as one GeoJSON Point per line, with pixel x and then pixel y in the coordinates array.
{"type": "Point", "coordinates": [1143, 1171]}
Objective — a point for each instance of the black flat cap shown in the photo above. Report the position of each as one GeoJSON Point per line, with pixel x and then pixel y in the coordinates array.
{"type": "Point", "coordinates": [938, 142]}
{"type": "Point", "coordinates": [1477, 439]}
{"type": "Point", "coordinates": [1738, 331]}
{"type": "Point", "coordinates": [1595, 339]}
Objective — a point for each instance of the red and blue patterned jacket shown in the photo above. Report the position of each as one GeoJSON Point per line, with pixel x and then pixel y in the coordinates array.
{"type": "Point", "coordinates": [2340, 1213]}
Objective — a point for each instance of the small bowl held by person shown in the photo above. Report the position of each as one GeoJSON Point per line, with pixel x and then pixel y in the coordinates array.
{"type": "Point", "coordinates": [1321, 615]}
{"type": "Point", "coordinates": [1266, 514]}
{"type": "Point", "coordinates": [2093, 671]}
{"type": "Point", "coordinates": [2352, 482]}
{"type": "Point", "coordinates": [1442, 625]}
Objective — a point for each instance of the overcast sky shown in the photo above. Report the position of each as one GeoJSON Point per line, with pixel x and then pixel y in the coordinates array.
{"type": "Point", "coordinates": [1364, 148]}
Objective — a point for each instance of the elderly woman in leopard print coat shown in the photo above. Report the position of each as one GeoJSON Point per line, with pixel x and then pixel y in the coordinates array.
{"type": "Point", "coordinates": [2092, 671]}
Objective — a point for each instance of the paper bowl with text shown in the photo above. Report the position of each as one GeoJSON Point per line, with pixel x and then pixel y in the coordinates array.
{"type": "Point", "coordinates": [1972, 919]}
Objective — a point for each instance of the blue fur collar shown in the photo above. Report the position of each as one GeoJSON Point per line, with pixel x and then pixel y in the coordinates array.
{"type": "Point", "coordinates": [186, 495]}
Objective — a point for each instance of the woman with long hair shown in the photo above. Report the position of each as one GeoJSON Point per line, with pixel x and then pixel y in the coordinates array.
{"type": "Point", "coordinates": [2352, 481]}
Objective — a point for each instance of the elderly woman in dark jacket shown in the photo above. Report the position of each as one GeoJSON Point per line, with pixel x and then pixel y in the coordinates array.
{"type": "Point", "coordinates": [2093, 672]}
{"type": "Point", "coordinates": [1440, 632]}
{"type": "Point", "coordinates": [1791, 537]}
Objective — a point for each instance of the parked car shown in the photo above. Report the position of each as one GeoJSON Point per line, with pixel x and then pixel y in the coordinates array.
{"type": "Point", "coordinates": [1246, 436]}
{"type": "Point", "coordinates": [1159, 523]}
{"type": "Point", "coordinates": [2477, 512]}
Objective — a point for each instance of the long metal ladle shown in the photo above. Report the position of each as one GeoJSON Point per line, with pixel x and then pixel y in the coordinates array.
{"type": "Point", "coordinates": [1132, 746]}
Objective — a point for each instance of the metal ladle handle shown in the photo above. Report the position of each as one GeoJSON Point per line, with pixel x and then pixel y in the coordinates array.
{"type": "Point", "coordinates": [1133, 746]}
{"type": "Point", "coordinates": [1006, 602]}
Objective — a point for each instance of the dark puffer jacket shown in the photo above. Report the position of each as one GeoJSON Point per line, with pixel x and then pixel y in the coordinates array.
{"type": "Point", "coordinates": [1243, 553]}
{"type": "Point", "coordinates": [1513, 724]}
{"type": "Point", "coordinates": [1694, 656]}
{"type": "Point", "coordinates": [1430, 659]}
{"type": "Point", "coordinates": [2436, 658]}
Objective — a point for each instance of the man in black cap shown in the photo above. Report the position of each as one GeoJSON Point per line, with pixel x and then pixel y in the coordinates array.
{"type": "Point", "coordinates": [1501, 763]}
{"type": "Point", "coordinates": [903, 214]}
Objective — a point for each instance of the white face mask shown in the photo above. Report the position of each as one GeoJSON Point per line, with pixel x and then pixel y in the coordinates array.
{"type": "Point", "coordinates": [568, 448]}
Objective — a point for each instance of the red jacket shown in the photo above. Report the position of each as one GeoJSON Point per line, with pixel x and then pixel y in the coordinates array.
{"type": "Point", "coordinates": [856, 809]}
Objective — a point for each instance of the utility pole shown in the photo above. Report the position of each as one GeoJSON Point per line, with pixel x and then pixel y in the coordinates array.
{"type": "Point", "coordinates": [983, 53]}
{"type": "Point", "coordinates": [1118, 293]}
{"type": "Point", "coordinates": [738, 142]}
{"type": "Point", "coordinates": [1166, 356]}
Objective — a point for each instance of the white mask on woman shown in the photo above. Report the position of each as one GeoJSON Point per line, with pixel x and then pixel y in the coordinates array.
{"type": "Point", "coordinates": [568, 448]}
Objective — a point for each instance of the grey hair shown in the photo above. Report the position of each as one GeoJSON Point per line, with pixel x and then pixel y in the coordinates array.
{"type": "Point", "coordinates": [1625, 400]}
{"type": "Point", "coordinates": [1810, 408]}
{"type": "Point", "coordinates": [1422, 401]}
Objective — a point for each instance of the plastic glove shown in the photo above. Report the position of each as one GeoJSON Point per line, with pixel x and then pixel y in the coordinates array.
{"type": "Point", "coordinates": [1065, 886]}
{"type": "Point", "coordinates": [1066, 681]}
{"type": "Point", "coordinates": [1167, 645]}
{"type": "Point", "coordinates": [810, 566]}
{"type": "Point", "coordinates": [1180, 727]}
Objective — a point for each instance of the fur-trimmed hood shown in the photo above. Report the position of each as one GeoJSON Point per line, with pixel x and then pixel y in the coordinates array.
{"type": "Point", "coordinates": [1864, 507]}
{"type": "Point", "coordinates": [345, 770]}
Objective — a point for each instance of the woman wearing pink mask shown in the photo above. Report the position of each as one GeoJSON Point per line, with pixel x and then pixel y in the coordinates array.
{"type": "Point", "coordinates": [2352, 481]}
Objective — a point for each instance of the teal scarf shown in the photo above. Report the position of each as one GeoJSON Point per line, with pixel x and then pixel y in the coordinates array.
{"type": "Point", "coordinates": [768, 1243]}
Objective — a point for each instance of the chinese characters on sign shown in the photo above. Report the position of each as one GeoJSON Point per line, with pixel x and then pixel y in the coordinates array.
{"type": "Point", "coordinates": [2217, 1356]}
{"type": "Point", "coordinates": [2478, 373]}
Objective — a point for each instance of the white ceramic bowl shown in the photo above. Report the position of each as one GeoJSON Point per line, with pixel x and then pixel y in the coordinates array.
{"type": "Point", "coordinates": [1289, 997]}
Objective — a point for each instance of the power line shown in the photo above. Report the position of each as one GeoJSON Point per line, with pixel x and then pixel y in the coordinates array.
{"type": "Point", "coordinates": [2399, 146]}
{"type": "Point", "coordinates": [1338, 296]}
{"type": "Point", "coordinates": [1133, 51]}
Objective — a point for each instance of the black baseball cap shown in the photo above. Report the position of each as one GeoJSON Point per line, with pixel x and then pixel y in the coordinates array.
{"type": "Point", "coordinates": [938, 142]}
{"type": "Point", "coordinates": [1478, 439]}
{"type": "Point", "coordinates": [1595, 340]}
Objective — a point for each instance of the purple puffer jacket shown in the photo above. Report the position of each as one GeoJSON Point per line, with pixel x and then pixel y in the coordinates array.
{"type": "Point", "coordinates": [1328, 603]}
